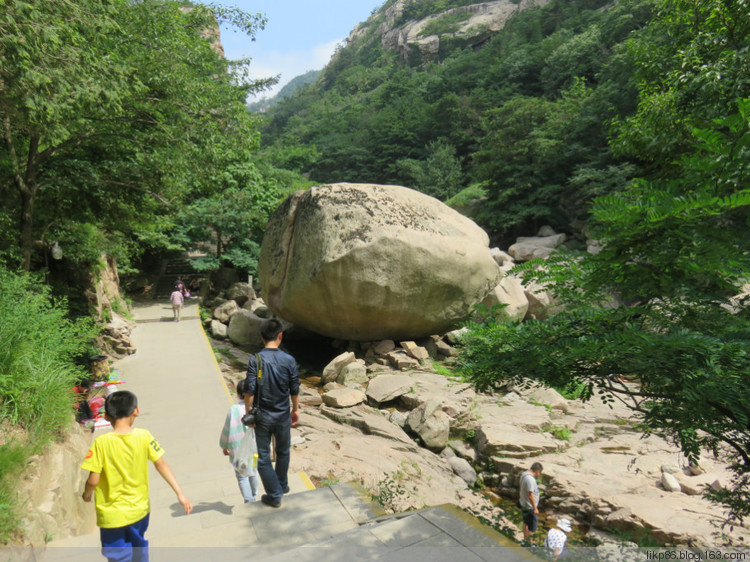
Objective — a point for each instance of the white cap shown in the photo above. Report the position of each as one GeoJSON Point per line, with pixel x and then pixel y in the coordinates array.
{"type": "Point", "coordinates": [564, 524]}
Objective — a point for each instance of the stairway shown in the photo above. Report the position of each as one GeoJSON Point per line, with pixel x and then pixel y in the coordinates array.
{"type": "Point", "coordinates": [335, 523]}
{"type": "Point", "coordinates": [171, 270]}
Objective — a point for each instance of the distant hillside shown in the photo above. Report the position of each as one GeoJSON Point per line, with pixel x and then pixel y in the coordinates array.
{"type": "Point", "coordinates": [292, 86]}
{"type": "Point", "coordinates": [513, 100]}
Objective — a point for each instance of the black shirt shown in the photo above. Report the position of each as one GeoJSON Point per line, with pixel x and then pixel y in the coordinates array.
{"type": "Point", "coordinates": [279, 381]}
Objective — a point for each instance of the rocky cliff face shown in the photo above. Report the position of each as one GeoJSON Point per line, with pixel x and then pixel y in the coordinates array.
{"type": "Point", "coordinates": [420, 40]}
{"type": "Point", "coordinates": [52, 487]}
{"type": "Point", "coordinates": [106, 300]}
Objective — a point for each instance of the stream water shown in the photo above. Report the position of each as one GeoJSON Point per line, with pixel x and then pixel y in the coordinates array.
{"type": "Point", "coordinates": [546, 521]}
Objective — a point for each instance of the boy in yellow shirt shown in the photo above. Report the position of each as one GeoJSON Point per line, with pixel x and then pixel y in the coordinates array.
{"type": "Point", "coordinates": [118, 462]}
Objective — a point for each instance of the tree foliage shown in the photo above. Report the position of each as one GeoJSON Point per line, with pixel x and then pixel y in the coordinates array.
{"type": "Point", "coordinates": [676, 254]}
{"type": "Point", "coordinates": [526, 112]}
{"type": "Point", "coordinates": [229, 224]}
{"type": "Point", "coordinates": [691, 63]}
{"type": "Point", "coordinates": [113, 113]}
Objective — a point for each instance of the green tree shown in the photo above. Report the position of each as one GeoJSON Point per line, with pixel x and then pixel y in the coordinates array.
{"type": "Point", "coordinates": [675, 255]}
{"type": "Point", "coordinates": [230, 224]}
{"type": "Point", "coordinates": [530, 152]}
{"type": "Point", "coordinates": [691, 64]}
{"type": "Point", "coordinates": [109, 110]}
{"type": "Point", "coordinates": [439, 175]}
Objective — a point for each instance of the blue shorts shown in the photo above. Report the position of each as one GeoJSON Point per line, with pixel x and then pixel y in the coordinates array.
{"type": "Point", "coordinates": [530, 519]}
{"type": "Point", "coordinates": [126, 544]}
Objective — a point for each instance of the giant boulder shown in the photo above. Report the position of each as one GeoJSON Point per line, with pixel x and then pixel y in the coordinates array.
{"type": "Point", "coordinates": [367, 262]}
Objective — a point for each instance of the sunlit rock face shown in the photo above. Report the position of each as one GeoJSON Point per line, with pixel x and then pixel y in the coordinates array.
{"type": "Point", "coordinates": [420, 39]}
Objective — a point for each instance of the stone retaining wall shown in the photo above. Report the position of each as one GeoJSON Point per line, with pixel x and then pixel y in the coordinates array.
{"type": "Point", "coordinates": [51, 491]}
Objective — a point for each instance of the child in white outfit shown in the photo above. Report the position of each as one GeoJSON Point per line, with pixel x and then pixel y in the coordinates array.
{"type": "Point", "coordinates": [231, 436]}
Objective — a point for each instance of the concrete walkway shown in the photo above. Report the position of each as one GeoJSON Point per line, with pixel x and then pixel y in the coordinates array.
{"type": "Point", "coordinates": [183, 402]}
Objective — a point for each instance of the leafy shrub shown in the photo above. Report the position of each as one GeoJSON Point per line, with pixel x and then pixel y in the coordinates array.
{"type": "Point", "coordinates": [467, 196]}
{"type": "Point", "coordinates": [39, 346]}
{"type": "Point", "coordinates": [574, 390]}
{"type": "Point", "coordinates": [388, 490]}
{"type": "Point", "coordinates": [560, 432]}
{"type": "Point", "coordinates": [38, 349]}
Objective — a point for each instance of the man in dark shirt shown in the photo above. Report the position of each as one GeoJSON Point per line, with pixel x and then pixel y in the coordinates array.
{"type": "Point", "coordinates": [279, 381]}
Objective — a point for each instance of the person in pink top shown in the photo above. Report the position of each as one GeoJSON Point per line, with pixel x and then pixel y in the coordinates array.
{"type": "Point", "coordinates": [177, 301]}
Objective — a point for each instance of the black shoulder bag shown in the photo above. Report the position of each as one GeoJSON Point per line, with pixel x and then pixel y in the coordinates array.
{"type": "Point", "coordinates": [255, 416]}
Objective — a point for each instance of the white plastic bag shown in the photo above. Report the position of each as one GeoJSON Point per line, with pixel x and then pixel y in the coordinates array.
{"type": "Point", "coordinates": [246, 455]}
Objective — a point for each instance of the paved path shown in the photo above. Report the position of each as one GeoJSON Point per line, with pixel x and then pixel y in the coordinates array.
{"type": "Point", "coordinates": [183, 402]}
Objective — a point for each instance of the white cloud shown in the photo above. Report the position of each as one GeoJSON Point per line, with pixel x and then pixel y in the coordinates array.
{"type": "Point", "coordinates": [289, 64]}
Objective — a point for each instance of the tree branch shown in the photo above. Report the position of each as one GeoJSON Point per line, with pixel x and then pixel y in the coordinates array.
{"type": "Point", "coordinates": [8, 138]}
{"type": "Point", "coordinates": [156, 196]}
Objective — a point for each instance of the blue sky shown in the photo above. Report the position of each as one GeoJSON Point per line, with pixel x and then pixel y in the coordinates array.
{"type": "Point", "coordinates": [300, 35]}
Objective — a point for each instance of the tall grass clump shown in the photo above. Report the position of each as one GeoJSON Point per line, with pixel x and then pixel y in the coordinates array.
{"type": "Point", "coordinates": [41, 349]}
{"type": "Point", "coordinates": [13, 457]}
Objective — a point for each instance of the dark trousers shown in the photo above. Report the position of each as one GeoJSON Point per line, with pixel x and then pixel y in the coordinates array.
{"type": "Point", "coordinates": [274, 478]}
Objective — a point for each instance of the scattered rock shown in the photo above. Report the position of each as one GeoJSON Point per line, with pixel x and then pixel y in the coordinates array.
{"type": "Point", "coordinates": [547, 396]}
{"type": "Point", "coordinates": [447, 453]}
{"type": "Point", "coordinates": [540, 301]}
{"type": "Point", "coordinates": [369, 421]}
{"type": "Point", "coordinates": [529, 247]}
{"type": "Point", "coordinates": [384, 347]}
{"type": "Point", "coordinates": [501, 258]}
{"type": "Point", "coordinates": [670, 483]}
{"type": "Point", "coordinates": [399, 418]}
{"type": "Point", "coordinates": [343, 397]}
{"type": "Point", "coordinates": [463, 450]}
{"type": "Point", "coordinates": [240, 293]}
{"type": "Point", "coordinates": [454, 336]}
{"type": "Point", "coordinates": [545, 231]}
{"type": "Point", "coordinates": [419, 353]}
{"type": "Point", "coordinates": [353, 374]}
{"type": "Point", "coordinates": [244, 329]}
{"type": "Point", "coordinates": [456, 398]}
{"type": "Point", "coordinates": [509, 292]}
{"type": "Point", "coordinates": [218, 330]}
{"type": "Point", "coordinates": [224, 311]}
{"type": "Point", "coordinates": [402, 361]}
{"type": "Point", "coordinates": [384, 388]}
{"type": "Point", "coordinates": [463, 469]}
{"type": "Point", "coordinates": [332, 371]}
{"type": "Point", "coordinates": [431, 424]}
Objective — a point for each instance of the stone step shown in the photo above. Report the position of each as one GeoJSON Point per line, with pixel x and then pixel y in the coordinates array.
{"type": "Point", "coordinates": [306, 515]}
{"type": "Point", "coordinates": [441, 533]}
{"type": "Point", "coordinates": [332, 523]}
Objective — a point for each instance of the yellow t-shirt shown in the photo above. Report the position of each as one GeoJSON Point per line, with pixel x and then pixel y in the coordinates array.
{"type": "Point", "coordinates": [122, 461]}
